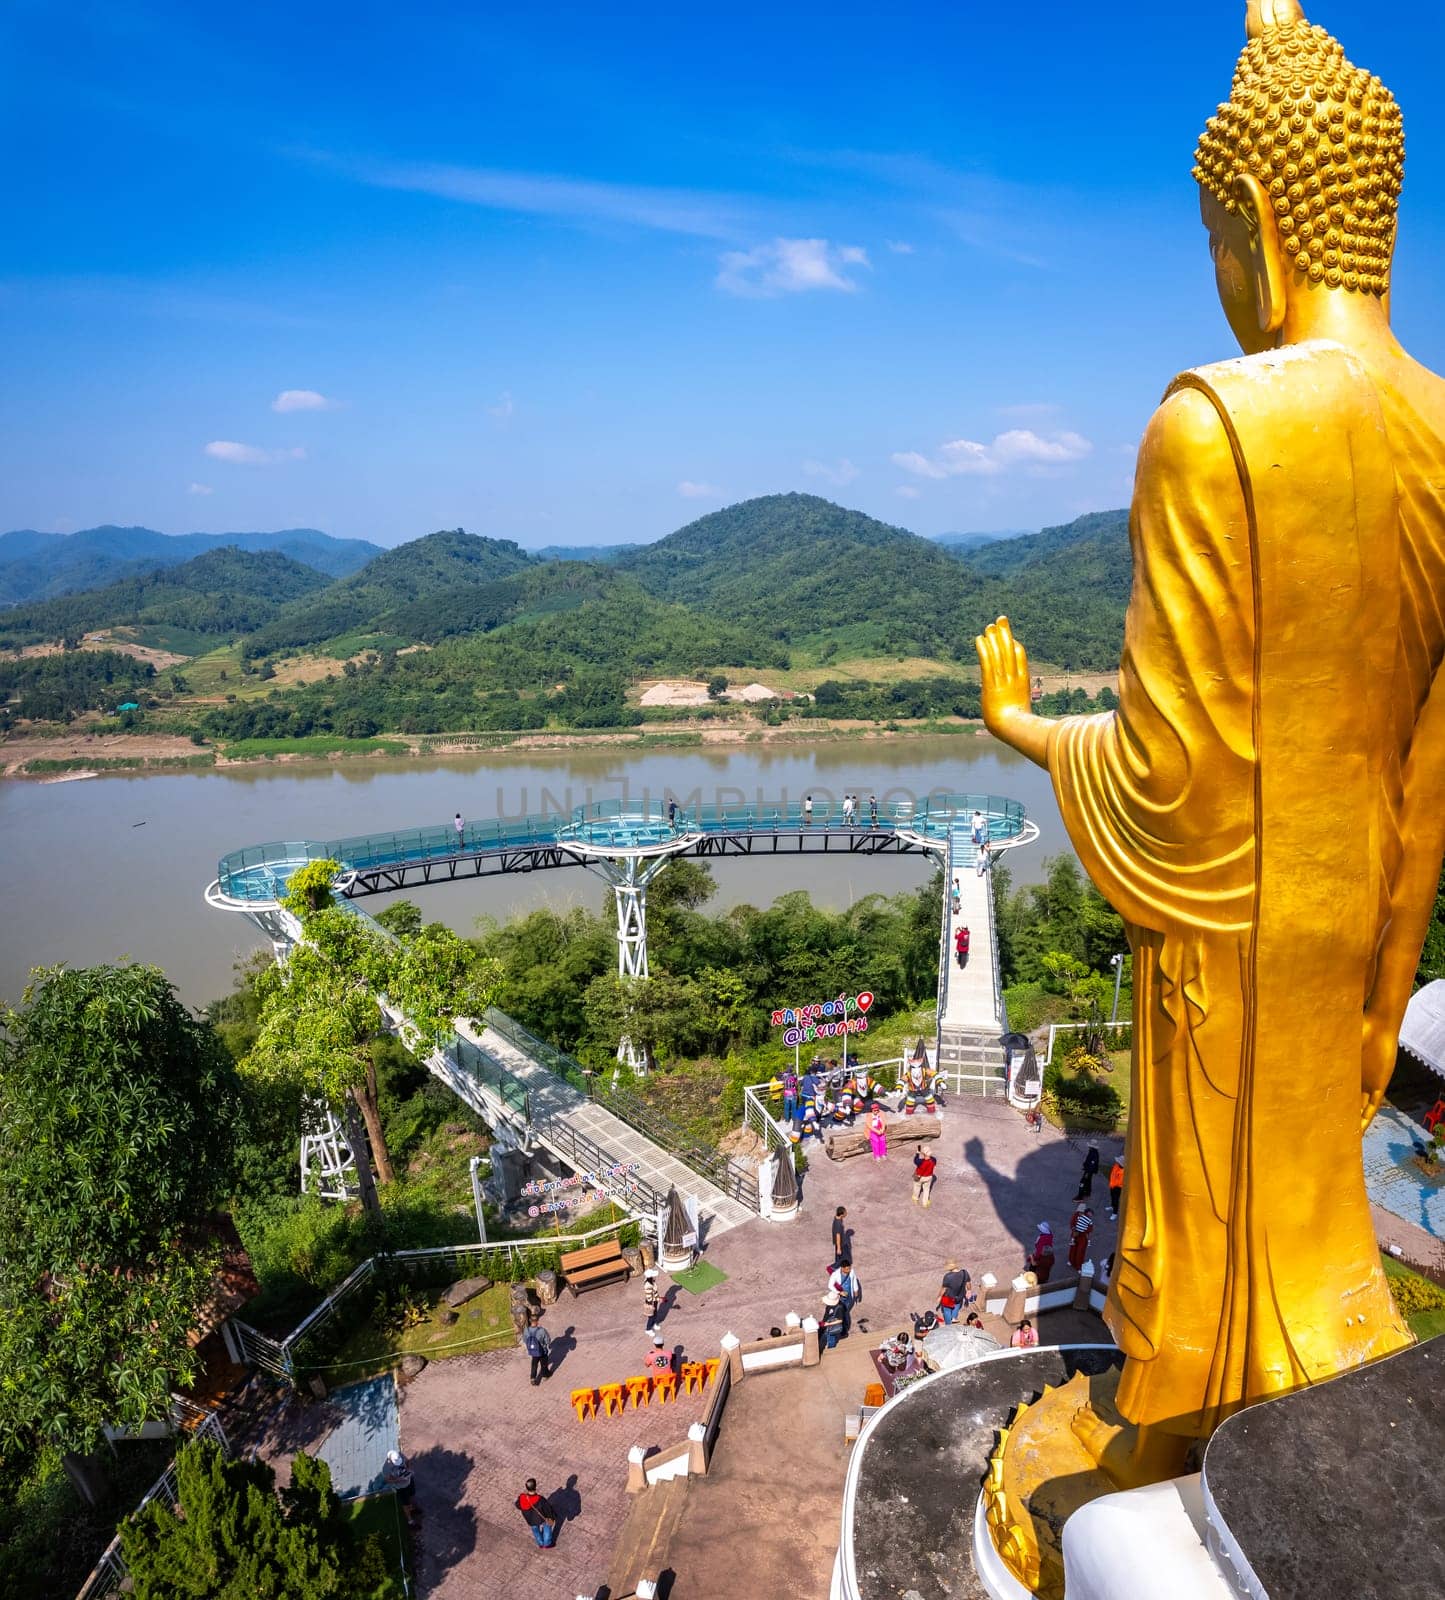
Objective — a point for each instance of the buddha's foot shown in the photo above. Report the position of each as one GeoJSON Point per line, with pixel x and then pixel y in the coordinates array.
{"type": "Point", "coordinates": [1065, 1449]}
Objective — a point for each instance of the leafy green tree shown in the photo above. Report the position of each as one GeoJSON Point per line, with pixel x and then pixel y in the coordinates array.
{"type": "Point", "coordinates": [658, 1014]}
{"type": "Point", "coordinates": [232, 1540]}
{"type": "Point", "coordinates": [401, 917]}
{"type": "Point", "coordinates": [119, 1114]}
{"type": "Point", "coordinates": [321, 1008]}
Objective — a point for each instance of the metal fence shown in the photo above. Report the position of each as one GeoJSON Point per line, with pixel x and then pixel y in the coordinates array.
{"type": "Point", "coordinates": [110, 1579]}
{"type": "Point", "coordinates": [279, 1356]}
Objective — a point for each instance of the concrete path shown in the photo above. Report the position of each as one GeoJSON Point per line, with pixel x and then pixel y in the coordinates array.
{"type": "Point", "coordinates": [474, 1428]}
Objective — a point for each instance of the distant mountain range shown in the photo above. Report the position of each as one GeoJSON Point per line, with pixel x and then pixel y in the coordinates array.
{"type": "Point", "coordinates": [971, 541]}
{"type": "Point", "coordinates": [779, 578]}
{"type": "Point", "coordinates": [39, 566]}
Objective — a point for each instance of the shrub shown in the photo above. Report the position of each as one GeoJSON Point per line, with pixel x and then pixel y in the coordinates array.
{"type": "Point", "coordinates": [1414, 1294]}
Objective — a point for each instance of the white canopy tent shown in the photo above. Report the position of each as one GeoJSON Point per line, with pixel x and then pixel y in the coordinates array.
{"type": "Point", "coordinates": [1422, 1032]}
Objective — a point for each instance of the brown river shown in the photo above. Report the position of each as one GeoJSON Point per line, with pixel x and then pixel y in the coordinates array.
{"type": "Point", "coordinates": [115, 867]}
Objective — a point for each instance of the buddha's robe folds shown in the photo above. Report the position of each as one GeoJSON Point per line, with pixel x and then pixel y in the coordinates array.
{"type": "Point", "coordinates": [1246, 810]}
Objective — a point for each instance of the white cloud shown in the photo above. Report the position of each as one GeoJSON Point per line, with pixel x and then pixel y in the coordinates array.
{"type": "Point", "coordinates": [697, 213]}
{"type": "Point", "coordinates": [908, 491]}
{"type": "Point", "coordinates": [899, 247]}
{"type": "Point", "coordinates": [302, 400]}
{"type": "Point", "coordinates": [200, 488]}
{"type": "Point", "coordinates": [790, 266]}
{"type": "Point", "coordinates": [698, 491]}
{"type": "Point", "coordinates": [840, 472]}
{"type": "Point", "coordinates": [1019, 447]}
{"type": "Point", "coordinates": [503, 408]}
{"type": "Point", "coordinates": [250, 455]}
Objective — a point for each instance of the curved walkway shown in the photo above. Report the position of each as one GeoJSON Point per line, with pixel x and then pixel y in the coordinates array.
{"type": "Point", "coordinates": [609, 830]}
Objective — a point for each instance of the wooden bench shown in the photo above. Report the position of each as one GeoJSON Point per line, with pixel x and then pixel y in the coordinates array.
{"type": "Point", "coordinates": [601, 1263]}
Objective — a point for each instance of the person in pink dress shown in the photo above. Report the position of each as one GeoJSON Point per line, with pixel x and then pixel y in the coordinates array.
{"type": "Point", "coordinates": [1025, 1336]}
{"type": "Point", "coordinates": [878, 1133]}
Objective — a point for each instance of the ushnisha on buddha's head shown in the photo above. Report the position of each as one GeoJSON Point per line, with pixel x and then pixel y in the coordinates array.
{"type": "Point", "coordinates": [1300, 174]}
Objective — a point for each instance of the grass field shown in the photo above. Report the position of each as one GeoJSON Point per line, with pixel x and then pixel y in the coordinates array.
{"type": "Point", "coordinates": [482, 1324]}
{"type": "Point", "coordinates": [381, 1515]}
{"type": "Point", "coordinates": [1430, 1320]}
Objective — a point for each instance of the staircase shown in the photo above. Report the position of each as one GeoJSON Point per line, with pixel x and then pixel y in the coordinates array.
{"type": "Point", "coordinates": [971, 1018]}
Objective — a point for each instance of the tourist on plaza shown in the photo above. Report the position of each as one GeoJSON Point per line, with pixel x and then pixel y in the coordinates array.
{"type": "Point", "coordinates": [1116, 1187]}
{"type": "Point", "coordinates": [973, 1320]}
{"type": "Point", "coordinates": [955, 897]}
{"type": "Point", "coordinates": [872, 811]}
{"type": "Point", "coordinates": [1086, 1177]}
{"type": "Point", "coordinates": [878, 1132]}
{"type": "Point", "coordinates": [658, 1359]}
{"type": "Point", "coordinates": [650, 1298]}
{"type": "Point", "coordinates": [1025, 1336]}
{"type": "Point", "coordinates": [537, 1342]}
{"type": "Point", "coordinates": [985, 859]}
{"type": "Point", "coordinates": [840, 1235]}
{"type": "Point", "coordinates": [979, 827]}
{"type": "Point", "coordinates": [955, 1293]}
{"type": "Point", "coordinates": [923, 1168]}
{"type": "Point", "coordinates": [961, 942]}
{"type": "Point", "coordinates": [1041, 1258]}
{"type": "Point", "coordinates": [807, 809]}
{"type": "Point", "coordinates": [461, 828]}
{"type": "Point", "coordinates": [1081, 1230]}
{"type": "Point", "coordinates": [396, 1475]}
{"type": "Point", "coordinates": [790, 1094]}
{"type": "Point", "coordinates": [538, 1514]}
{"type": "Point", "coordinates": [834, 1326]}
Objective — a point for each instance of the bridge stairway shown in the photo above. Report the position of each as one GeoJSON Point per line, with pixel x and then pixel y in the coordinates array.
{"type": "Point", "coordinates": [970, 1020]}
{"type": "Point", "coordinates": [584, 1134]}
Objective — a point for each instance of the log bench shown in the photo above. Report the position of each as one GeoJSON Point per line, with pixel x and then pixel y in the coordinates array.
{"type": "Point", "coordinates": [600, 1263]}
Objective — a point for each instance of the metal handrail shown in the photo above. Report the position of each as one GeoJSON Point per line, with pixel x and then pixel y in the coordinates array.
{"type": "Point", "coordinates": [705, 1159]}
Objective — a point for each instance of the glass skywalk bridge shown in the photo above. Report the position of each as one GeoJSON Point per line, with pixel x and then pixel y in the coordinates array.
{"type": "Point", "coordinates": [611, 830]}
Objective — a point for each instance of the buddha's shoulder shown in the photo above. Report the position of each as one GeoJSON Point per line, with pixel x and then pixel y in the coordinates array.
{"type": "Point", "coordinates": [1191, 417]}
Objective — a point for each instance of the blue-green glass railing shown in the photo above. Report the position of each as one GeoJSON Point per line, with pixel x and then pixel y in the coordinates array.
{"type": "Point", "coordinates": [253, 873]}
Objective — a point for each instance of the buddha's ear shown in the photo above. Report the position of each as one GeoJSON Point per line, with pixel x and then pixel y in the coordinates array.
{"type": "Point", "coordinates": [1266, 259]}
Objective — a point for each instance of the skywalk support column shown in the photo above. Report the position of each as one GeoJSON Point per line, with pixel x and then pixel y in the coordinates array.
{"type": "Point", "coordinates": [629, 876]}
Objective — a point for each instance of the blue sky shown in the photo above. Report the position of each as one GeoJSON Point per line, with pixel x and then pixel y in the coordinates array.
{"type": "Point", "coordinates": [576, 274]}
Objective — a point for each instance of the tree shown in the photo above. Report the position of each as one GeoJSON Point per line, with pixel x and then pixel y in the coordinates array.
{"type": "Point", "coordinates": [657, 1014]}
{"type": "Point", "coordinates": [321, 1008]}
{"type": "Point", "coordinates": [401, 917]}
{"type": "Point", "coordinates": [233, 1540]}
{"type": "Point", "coordinates": [118, 1120]}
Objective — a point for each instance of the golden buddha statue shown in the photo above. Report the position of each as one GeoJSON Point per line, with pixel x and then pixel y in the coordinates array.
{"type": "Point", "coordinates": [1266, 808]}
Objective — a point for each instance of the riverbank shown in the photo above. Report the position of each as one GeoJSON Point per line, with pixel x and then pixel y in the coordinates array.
{"type": "Point", "coordinates": [80, 755]}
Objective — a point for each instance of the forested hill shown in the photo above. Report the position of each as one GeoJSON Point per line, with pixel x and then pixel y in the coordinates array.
{"type": "Point", "coordinates": [39, 566]}
{"type": "Point", "coordinates": [1105, 532]}
{"type": "Point", "coordinates": [797, 568]}
{"type": "Point", "coordinates": [435, 565]}
{"type": "Point", "coordinates": [215, 597]}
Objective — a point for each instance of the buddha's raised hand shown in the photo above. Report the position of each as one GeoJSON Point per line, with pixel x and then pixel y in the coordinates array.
{"type": "Point", "coordinates": [1004, 675]}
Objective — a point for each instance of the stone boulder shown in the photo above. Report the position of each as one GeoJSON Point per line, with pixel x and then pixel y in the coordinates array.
{"type": "Point", "coordinates": [465, 1289]}
{"type": "Point", "coordinates": [412, 1366]}
{"type": "Point", "coordinates": [547, 1286]}
{"type": "Point", "coordinates": [446, 1317]}
{"type": "Point", "coordinates": [520, 1306]}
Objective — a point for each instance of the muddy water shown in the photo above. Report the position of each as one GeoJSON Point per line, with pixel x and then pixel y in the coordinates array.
{"type": "Point", "coordinates": [115, 867]}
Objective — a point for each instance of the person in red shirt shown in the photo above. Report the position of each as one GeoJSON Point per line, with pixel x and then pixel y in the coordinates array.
{"type": "Point", "coordinates": [923, 1169]}
{"type": "Point", "coordinates": [960, 946]}
{"type": "Point", "coordinates": [1116, 1186]}
{"type": "Point", "coordinates": [539, 1515]}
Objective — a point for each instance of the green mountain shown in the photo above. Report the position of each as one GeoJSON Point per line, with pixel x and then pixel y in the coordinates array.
{"type": "Point", "coordinates": [796, 567]}
{"type": "Point", "coordinates": [1106, 530]}
{"type": "Point", "coordinates": [220, 595]}
{"type": "Point", "coordinates": [39, 566]}
{"type": "Point", "coordinates": [583, 552]}
{"type": "Point", "coordinates": [439, 564]}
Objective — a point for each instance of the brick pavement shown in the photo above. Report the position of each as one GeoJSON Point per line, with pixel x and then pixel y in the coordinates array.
{"type": "Point", "coordinates": [474, 1428]}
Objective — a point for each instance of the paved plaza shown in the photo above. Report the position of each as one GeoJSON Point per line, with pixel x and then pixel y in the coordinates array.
{"type": "Point", "coordinates": [474, 1428]}
{"type": "Point", "coordinates": [1394, 1181]}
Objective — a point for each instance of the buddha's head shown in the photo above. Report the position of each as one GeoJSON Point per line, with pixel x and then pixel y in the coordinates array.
{"type": "Point", "coordinates": [1299, 175]}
